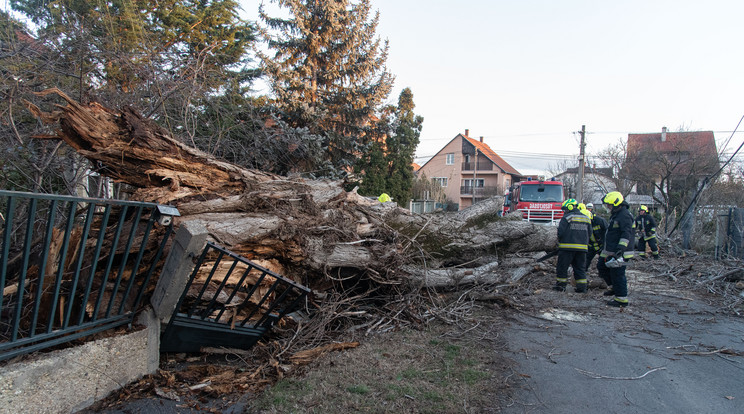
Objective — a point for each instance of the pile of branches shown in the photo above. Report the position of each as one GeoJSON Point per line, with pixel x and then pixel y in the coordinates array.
{"type": "Point", "coordinates": [700, 273]}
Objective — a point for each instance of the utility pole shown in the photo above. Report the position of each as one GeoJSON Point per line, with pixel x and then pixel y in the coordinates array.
{"type": "Point", "coordinates": [580, 191]}
{"type": "Point", "coordinates": [475, 173]}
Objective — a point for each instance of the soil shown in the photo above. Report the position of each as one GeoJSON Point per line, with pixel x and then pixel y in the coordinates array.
{"type": "Point", "coordinates": [678, 347]}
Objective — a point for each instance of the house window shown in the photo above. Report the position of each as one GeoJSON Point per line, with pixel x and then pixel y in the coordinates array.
{"type": "Point", "coordinates": [442, 181]}
{"type": "Point", "coordinates": [450, 159]}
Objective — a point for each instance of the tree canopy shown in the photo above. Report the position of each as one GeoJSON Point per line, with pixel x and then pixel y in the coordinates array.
{"type": "Point", "coordinates": [388, 166]}
{"type": "Point", "coordinates": [327, 72]}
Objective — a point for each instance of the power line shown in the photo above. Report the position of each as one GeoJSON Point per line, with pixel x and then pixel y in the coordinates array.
{"type": "Point", "coordinates": [521, 154]}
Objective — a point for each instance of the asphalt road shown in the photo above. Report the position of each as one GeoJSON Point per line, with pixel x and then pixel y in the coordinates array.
{"type": "Point", "coordinates": [670, 351]}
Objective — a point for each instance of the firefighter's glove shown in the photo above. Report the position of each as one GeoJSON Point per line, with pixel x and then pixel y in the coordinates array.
{"type": "Point", "coordinates": [619, 254]}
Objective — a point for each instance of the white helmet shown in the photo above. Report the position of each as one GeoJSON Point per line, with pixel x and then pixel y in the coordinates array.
{"type": "Point", "coordinates": [589, 206]}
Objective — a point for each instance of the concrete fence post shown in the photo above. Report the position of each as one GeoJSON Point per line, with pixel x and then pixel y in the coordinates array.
{"type": "Point", "coordinates": [191, 238]}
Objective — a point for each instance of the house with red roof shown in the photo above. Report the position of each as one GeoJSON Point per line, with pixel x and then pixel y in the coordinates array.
{"type": "Point", "coordinates": [670, 162]}
{"type": "Point", "coordinates": [469, 170]}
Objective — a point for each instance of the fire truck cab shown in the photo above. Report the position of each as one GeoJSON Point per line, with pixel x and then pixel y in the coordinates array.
{"type": "Point", "coordinates": [539, 200]}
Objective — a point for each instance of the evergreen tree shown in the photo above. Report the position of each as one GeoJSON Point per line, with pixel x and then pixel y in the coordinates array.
{"type": "Point", "coordinates": [388, 166]}
{"type": "Point", "coordinates": [327, 72]}
{"type": "Point", "coordinates": [374, 168]}
{"type": "Point", "coordinates": [401, 148]}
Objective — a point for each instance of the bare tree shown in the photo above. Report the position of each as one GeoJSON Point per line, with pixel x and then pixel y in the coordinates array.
{"type": "Point", "coordinates": [671, 170]}
{"type": "Point", "coordinates": [614, 157]}
{"type": "Point", "coordinates": [27, 65]}
{"type": "Point", "coordinates": [426, 189]}
{"type": "Point", "coordinates": [597, 179]}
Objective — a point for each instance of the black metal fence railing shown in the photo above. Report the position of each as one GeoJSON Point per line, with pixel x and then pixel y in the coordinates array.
{"type": "Point", "coordinates": [228, 301]}
{"type": "Point", "coordinates": [71, 267]}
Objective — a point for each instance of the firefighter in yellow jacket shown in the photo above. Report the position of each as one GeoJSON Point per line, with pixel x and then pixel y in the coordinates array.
{"type": "Point", "coordinates": [573, 240]}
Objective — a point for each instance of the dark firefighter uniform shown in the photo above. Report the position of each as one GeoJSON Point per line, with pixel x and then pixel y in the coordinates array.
{"type": "Point", "coordinates": [646, 228]}
{"type": "Point", "coordinates": [599, 228]}
{"type": "Point", "coordinates": [619, 243]}
{"type": "Point", "coordinates": [573, 240]}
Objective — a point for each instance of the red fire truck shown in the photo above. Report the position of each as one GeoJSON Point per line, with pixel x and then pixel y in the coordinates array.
{"type": "Point", "coordinates": [539, 200]}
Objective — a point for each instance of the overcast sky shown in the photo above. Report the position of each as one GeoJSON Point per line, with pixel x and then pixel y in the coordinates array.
{"type": "Point", "coordinates": [527, 74]}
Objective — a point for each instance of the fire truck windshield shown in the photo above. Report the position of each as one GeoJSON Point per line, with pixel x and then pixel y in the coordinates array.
{"type": "Point", "coordinates": [550, 193]}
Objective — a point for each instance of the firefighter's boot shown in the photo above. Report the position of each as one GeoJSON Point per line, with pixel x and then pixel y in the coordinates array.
{"type": "Point", "coordinates": [618, 302]}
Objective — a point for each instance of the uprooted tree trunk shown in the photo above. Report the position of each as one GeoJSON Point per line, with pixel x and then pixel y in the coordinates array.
{"type": "Point", "coordinates": [312, 231]}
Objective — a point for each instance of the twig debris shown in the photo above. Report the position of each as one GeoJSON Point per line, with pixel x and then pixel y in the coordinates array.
{"type": "Point", "coordinates": [597, 376]}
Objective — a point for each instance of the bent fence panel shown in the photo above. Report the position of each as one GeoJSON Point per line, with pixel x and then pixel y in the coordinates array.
{"type": "Point", "coordinates": [72, 267]}
{"type": "Point", "coordinates": [228, 301]}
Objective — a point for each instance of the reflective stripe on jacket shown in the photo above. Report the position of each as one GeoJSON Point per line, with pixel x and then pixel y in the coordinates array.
{"type": "Point", "coordinates": [573, 231]}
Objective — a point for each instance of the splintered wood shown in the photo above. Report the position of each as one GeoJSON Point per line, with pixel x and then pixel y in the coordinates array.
{"type": "Point", "coordinates": [307, 356]}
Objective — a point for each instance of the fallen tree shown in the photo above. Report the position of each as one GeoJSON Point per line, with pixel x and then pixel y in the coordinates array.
{"type": "Point", "coordinates": [312, 231]}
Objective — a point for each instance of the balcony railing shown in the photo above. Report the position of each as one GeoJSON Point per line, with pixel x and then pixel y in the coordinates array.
{"type": "Point", "coordinates": [479, 191]}
{"type": "Point", "coordinates": [482, 166]}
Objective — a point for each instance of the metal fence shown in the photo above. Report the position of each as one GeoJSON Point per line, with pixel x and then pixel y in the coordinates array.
{"type": "Point", "coordinates": [71, 267]}
{"type": "Point", "coordinates": [730, 233]}
{"type": "Point", "coordinates": [229, 301]}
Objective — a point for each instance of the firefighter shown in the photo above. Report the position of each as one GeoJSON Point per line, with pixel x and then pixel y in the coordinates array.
{"type": "Point", "coordinates": [646, 228]}
{"type": "Point", "coordinates": [383, 198]}
{"type": "Point", "coordinates": [592, 238]}
{"type": "Point", "coordinates": [618, 248]}
{"type": "Point", "coordinates": [599, 227]}
{"type": "Point", "coordinates": [573, 238]}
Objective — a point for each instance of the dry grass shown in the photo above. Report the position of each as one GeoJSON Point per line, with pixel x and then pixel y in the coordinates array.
{"type": "Point", "coordinates": [438, 369]}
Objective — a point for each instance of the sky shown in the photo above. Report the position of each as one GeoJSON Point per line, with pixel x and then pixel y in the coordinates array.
{"type": "Point", "coordinates": [527, 74]}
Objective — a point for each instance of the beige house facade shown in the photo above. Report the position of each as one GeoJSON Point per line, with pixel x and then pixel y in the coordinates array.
{"type": "Point", "coordinates": [469, 170]}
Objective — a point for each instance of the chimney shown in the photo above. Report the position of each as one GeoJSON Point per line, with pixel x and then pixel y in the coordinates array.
{"type": "Point", "coordinates": [663, 134]}
{"type": "Point", "coordinates": [467, 131]}
{"type": "Point", "coordinates": [481, 138]}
